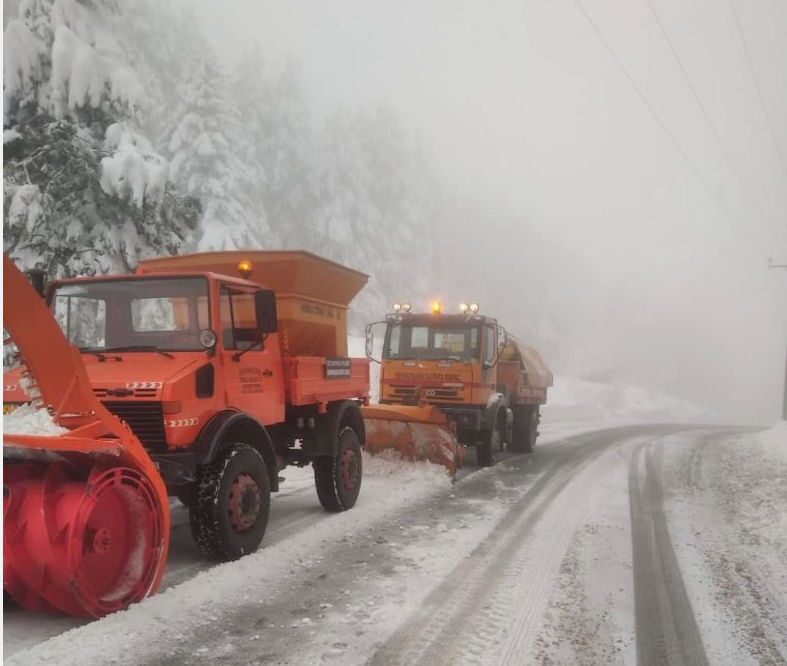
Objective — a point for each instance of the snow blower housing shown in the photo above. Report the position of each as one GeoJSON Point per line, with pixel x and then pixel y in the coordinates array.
{"type": "Point", "coordinates": [223, 380]}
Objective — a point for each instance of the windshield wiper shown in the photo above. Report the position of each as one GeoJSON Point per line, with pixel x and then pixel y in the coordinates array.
{"type": "Point", "coordinates": [152, 348]}
{"type": "Point", "coordinates": [101, 357]}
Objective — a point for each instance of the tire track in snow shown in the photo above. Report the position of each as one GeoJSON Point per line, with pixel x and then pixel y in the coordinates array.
{"type": "Point", "coordinates": [500, 572]}
{"type": "Point", "coordinates": [667, 632]}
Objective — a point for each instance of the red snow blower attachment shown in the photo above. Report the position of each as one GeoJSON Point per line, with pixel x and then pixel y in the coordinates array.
{"type": "Point", "coordinates": [85, 512]}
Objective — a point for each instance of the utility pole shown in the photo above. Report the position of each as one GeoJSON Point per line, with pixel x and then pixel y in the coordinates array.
{"type": "Point", "coordinates": [784, 404]}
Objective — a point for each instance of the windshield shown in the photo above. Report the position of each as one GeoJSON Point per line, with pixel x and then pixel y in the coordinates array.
{"type": "Point", "coordinates": [134, 314]}
{"type": "Point", "coordinates": [408, 341]}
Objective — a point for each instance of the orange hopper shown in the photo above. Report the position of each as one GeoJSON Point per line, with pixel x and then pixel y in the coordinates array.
{"type": "Point", "coordinates": [86, 514]}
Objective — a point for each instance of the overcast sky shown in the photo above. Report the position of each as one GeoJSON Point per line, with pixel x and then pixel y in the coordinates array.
{"type": "Point", "coordinates": [642, 205]}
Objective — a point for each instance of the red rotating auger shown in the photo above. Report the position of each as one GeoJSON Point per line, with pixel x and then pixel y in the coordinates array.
{"type": "Point", "coordinates": [86, 513]}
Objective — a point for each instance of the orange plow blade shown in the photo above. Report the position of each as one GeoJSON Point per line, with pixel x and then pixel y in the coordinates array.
{"type": "Point", "coordinates": [417, 433]}
{"type": "Point", "coordinates": [85, 511]}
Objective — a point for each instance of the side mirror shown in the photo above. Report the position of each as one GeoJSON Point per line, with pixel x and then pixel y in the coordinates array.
{"type": "Point", "coordinates": [370, 341]}
{"type": "Point", "coordinates": [265, 308]}
{"type": "Point", "coordinates": [491, 344]}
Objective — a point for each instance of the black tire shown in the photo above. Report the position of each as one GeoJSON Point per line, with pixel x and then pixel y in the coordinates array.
{"type": "Point", "coordinates": [231, 504]}
{"type": "Point", "coordinates": [338, 478]}
{"type": "Point", "coordinates": [488, 447]}
{"type": "Point", "coordinates": [525, 431]}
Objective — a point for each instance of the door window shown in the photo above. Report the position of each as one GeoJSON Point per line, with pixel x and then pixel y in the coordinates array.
{"type": "Point", "coordinates": [238, 319]}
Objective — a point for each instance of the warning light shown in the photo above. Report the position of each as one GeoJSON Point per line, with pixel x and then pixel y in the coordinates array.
{"type": "Point", "coordinates": [397, 307]}
{"type": "Point", "coordinates": [463, 307]}
{"type": "Point", "coordinates": [245, 268]}
{"type": "Point", "coordinates": [474, 308]}
{"type": "Point", "coordinates": [406, 307]}
{"type": "Point", "coordinates": [436, 307]}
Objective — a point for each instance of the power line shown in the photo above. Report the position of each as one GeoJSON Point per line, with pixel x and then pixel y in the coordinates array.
{"type": "Point", "coordinates": [658, 118]}
{"type": "Point", "coordinates": [709, 121]}
{"type": "Point", "coordinates": [760, 96]}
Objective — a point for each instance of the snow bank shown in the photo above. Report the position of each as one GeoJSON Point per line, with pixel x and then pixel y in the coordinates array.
{"type": "Point", "coordinates": [775, 437]}
{"type": "Point", "coordinates": [572, 399]}
{"type": "Point", "coordinates": [27, 420]}
{"type": "Point", "coordinates": [389, 464]}
{"type": "Point", "coordinates": [138, 633]}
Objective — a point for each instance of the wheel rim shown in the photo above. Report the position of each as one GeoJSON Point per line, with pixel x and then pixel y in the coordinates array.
{"type": "Point", "coordinates": [244, 503]}
{"type": "Point", "coordinates": [348, 464]}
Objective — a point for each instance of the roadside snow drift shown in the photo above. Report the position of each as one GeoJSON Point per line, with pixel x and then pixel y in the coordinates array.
{"type": "Point", "coordinates": [572, 399]}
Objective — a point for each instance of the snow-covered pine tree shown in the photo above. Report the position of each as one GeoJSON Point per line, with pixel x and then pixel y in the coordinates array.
{"type": "Point", "coordinates": [203, 148]}
{"type": "Point", "coordinates": [162, 40]}
{"type": "Point", "coordinates": [370, 212]}
{"type": "Point", "coordinates": [403, 192]}
{"type": "Point", "coordinates": [84, 190]}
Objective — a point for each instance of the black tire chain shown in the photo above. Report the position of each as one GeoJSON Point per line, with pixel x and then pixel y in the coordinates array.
{"type": "Point", "coordinates": [325, 479]}
{"type": "Point", "coordinates": [205, 527]}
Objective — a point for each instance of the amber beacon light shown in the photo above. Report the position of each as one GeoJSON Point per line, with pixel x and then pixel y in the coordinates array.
{"type": "Point", "coordinates": [245, 268]}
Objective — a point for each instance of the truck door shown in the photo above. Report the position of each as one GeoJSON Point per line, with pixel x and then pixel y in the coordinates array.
{"type": "Point", "coordinates": [252, 367]}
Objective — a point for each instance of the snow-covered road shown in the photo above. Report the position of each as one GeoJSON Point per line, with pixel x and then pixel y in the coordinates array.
{"type": "Point", "coordinates": [637, 544]}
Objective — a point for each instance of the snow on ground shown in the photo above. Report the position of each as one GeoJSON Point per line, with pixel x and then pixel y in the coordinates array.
{"type": "Point", "coordinates": [573, 399]}
{"type": "Point", "coordinates": [543, 558]}
{"type": "Point", "coordinates": [727, 507]}
{"type": "Point", "coordinates": [590, 616]}
{"type": "Point", "coordinates": [388, 484]}
{"type": "Point", "coordinates": [27, 420]}
{"type": "Point", "coordinates": [773, 442]}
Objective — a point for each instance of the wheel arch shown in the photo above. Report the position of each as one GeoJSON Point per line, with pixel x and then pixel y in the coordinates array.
{"type": "Point", "coordinates": [496, 413]}
{"type": "Point", "coordinates": [344, 412]}
{"type": "Point", "coordinates": [229, 426]}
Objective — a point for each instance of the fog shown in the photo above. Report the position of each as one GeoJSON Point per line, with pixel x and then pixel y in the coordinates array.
{"type": "Point", "coordinates": [613, 173]}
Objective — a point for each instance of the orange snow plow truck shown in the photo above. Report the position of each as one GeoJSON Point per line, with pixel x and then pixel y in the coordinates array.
{"type": "Point", "coordinates": [462, 370]}
{"type": "Point", "coordinates": [200, 376]}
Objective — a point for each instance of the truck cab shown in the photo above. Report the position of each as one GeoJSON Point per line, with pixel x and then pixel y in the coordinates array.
{"type": "Point", "coordinates": [466, 365]}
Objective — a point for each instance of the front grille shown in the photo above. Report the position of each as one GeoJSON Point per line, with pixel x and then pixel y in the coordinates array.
{"type": "Point", "coordinates": [146, 420]}
{"type": "Point", "coordinates": [430, 394]}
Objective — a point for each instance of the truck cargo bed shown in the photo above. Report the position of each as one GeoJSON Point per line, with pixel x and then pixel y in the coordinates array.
{"type": "Point", "coordinates": [310, 380]}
